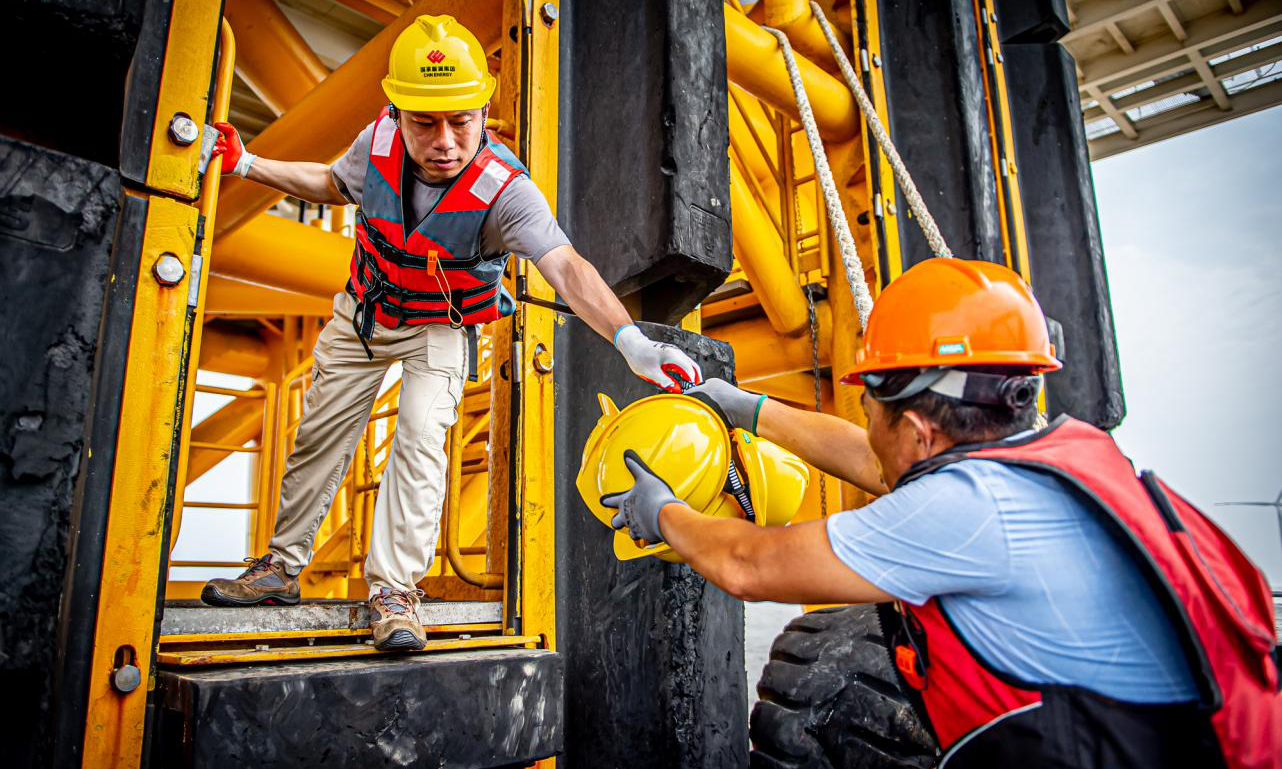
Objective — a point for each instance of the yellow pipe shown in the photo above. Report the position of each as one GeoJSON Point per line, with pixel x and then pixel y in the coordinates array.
{"type": "Point", "coordinates": [230, 350]}
{"type": "Point", "coordinates": [795, 19]}
{"type": "Point", "coordinates": [763, 260]}
{"type": "Point", "coordinates": [754, 62]}
{"type": "Point", "coordinates": [283, 254]}
{"type": "Point", "coordinates": [761, 353]}
{"type": "Point", "coordinates": [453, 514]}
{"type": "Point", "coordinates": [229, 296]}
{"type": "Point", "coordinates": [746, 120]}
{"type": "Point", "coordinates": [274, 60]}
{"type": "Point", "coordinates": [322, 126]}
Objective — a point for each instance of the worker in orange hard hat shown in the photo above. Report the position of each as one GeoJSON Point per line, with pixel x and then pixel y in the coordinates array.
{"type": "Point", "coordinates": [1053, 608]}
{"type": "Point", "coordinates": [442, 204]}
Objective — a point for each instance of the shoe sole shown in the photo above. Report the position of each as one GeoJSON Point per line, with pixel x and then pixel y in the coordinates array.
{"type": "Point", "coordinates": [401, 641]}
{"type": "Point", "coordinates": [211, 596]}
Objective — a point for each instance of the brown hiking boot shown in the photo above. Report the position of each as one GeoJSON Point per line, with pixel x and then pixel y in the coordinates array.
{"type": "Point", "coordinates": [393, 616]}
{"type": "Point", "coordinates": [264, 582]}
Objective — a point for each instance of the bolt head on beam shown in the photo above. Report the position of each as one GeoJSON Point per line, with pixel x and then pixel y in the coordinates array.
{"type": "Point", "coordinates": [168, 269]}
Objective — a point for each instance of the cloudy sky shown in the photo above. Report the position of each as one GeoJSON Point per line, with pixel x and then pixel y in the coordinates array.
{"type": "Point", "coordinates": [1192, 230]}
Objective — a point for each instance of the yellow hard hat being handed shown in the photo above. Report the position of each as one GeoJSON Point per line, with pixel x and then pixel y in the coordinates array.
{"type": "Point", "coordinates": [437, 65]}
{"type": "Point", "coordinates": [683, 441]}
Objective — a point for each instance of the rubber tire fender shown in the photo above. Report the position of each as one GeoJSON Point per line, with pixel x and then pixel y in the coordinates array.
{"type": "Point", "coordinates": [830, 699]}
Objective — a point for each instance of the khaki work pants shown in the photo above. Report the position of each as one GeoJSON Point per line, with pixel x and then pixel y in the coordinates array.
{"type": "Point", "coordinates": [344, 387]}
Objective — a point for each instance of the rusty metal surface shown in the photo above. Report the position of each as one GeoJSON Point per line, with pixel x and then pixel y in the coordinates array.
{"type": "Point", "coordinates": [194, 618]}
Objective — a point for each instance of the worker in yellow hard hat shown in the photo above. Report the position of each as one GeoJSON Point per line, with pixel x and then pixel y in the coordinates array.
{"type": "Point", "coordinates": [442, 203]}
{"type": "Point", "coordinates": [1055, 609]}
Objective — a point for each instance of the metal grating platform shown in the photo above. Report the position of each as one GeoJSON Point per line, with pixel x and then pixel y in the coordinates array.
{"type": "Point", "coordinates": [193, 618]}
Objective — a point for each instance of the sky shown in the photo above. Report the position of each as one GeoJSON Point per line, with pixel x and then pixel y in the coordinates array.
{"type": "Point", "coordinates": [1192, 231]}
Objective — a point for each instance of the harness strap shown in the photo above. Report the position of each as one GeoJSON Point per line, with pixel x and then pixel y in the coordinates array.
{"type": "Point", "coordinates": [402, 258]}
{"type": "Point", "coordinates": [473, 350]}
{"type": "Point", "coordinates": [454, 296]}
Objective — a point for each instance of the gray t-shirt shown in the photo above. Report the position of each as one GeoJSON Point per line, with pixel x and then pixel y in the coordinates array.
{"type": "Point", "coordinates": [519, 221]}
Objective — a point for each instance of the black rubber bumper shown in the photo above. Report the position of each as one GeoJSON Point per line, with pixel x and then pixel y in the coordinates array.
{"type": "Point", "coordinates": [484, 708]}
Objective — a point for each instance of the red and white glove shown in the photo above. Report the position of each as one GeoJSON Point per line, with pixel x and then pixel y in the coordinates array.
{"type": "Point", "coordinates": [659, 364]}
{"type": "Point", "coordinates": [228, 144]}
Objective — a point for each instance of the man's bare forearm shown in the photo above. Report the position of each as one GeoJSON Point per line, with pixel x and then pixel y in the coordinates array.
{"type": "Point", "coordinates": [307, 181]}
{"type": "Point", "coordinates": [581, 286]}
{"type": "Point", "coordinates": [830, 443]}
{"type": "Point", "coordinates": [792, 564]}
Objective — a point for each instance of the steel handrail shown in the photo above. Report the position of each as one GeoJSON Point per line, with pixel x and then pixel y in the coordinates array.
{"type": "Point", "coordinates": [451, 514]}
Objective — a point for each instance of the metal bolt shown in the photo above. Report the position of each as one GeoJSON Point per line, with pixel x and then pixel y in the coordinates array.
{"type": "Point", "coordinates": [999, 57]}
{"type": "Point", "coordinates": [183, 131]}
{"type": "Point", "coordinates": [549, 13]}
{"type": "Point", "coordinates": [126, 678]}
{"type": "Point", "coordinates": [890, 207]}
{"type": "Point", "coordinates": [168, 269]}
{"type": "Point", "coordinates": [465, 636]}
{"type": "Point", "coordinates": [261, 647]}
{"type": "Point", "coordinates": [876, 60]}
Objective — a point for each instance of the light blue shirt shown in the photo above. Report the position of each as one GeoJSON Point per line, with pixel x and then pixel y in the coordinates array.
{"type": "Point", "coordinates": [1027, 573]}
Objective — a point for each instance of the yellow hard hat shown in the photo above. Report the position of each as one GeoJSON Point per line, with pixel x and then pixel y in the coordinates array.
{"type": "Point", "coordinates": [776, 477]}
{"type": "Point", "coordinates": [437, 65]}
{"type": "Point", "coordinates": [687, 445]}
{"type": "Point", "coordinates": [680, 438]}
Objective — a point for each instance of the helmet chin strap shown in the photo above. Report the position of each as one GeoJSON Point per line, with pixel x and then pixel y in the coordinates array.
{"type": "Point", "coordinates": [1015, 392]}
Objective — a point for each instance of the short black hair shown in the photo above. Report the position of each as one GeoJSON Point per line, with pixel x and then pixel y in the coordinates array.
{"type": "Point", "coordinates": [962, 422]}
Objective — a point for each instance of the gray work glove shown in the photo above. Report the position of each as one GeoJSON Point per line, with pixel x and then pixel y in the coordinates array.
{"type": "Point", "coordinates": [639, 506]}
{"type": "Point", "coordinates": [738, 407]}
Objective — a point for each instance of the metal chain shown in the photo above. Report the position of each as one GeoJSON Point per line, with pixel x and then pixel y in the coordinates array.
{"type": "Point", "coordinates": [915, 201]}
{"type": "Point", "coordinates": [814, 360]}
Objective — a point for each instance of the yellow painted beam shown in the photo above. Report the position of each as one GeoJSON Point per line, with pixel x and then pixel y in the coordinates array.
{"type": "Point", "coordinates": [795, 388]}
{"type": "Point", "coordinates": [228, 349]}
{"type": "Point", "coordinates": [273, 59]}
{"type": "Point", "coordinates": [382, 11]}
{"type": "Point", "coordinates": [760, 352]}
{"type": "Point", "coordinates": [755, 62]}
{"type": "Point", "coordinates": [140, 493]}
{"type": "Point", "coordinates": [229, 296]}
{"type": "Point", "coordinates": [285, 255]}
{"type": "Point", "coordinates": [324, 124]}
{"type": "Point", "coordinates": [762, 257]}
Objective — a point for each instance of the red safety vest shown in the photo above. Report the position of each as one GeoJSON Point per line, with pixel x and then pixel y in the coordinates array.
{"type": "Point", "coordinates": [1218, 602]}
{"type": "Point", "coordinates": [433, 271]}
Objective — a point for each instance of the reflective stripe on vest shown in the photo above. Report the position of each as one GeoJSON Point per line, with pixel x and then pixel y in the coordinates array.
{"type": "Point", "coordinates": [434, 272]}
{"type": "Point", "coordinates": [1219, 604]}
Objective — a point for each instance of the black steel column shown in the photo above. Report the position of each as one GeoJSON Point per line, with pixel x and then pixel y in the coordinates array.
{"type": "Point", "coordinates": [1065, 252]}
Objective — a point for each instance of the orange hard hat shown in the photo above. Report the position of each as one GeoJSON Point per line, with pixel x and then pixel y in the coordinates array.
{"type": "Point", "coordinates": [955, 312]}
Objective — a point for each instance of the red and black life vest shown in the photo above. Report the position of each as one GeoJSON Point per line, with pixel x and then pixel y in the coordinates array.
{"type": "Point", "coordinates": [1219, 604]}
{"type": "Point", "coordinates": [434, 271]}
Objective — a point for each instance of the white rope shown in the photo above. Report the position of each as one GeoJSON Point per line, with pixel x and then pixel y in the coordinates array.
{"type": "Point", "coordinates": [832, 202]}
{"type": "Point", "coordinates": [915, 202]}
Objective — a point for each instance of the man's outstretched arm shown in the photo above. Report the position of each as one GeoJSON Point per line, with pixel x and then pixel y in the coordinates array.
{"type": "Point", "coordinates": [792, 564]}
{"type": "Point", "coordinates": [830, 443]}
{"type": "Point", "coordinates": [579, 283]}
{"type": "Point", "coordinates": [312, 182]}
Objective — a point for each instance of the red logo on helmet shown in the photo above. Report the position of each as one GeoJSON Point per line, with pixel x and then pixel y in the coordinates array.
{"type": "Point", "coordinates": [436, 57]}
